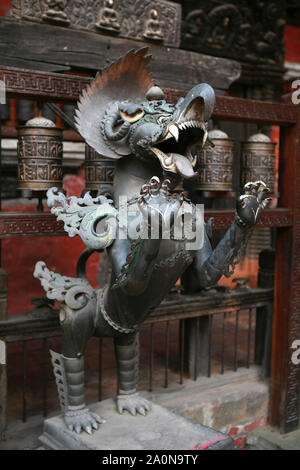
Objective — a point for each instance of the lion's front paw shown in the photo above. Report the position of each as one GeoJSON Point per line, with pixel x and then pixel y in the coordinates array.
{"type": "Point", "coordinates": [160, 208]}
{"type": "Point", "coordinates": [82, 420]}
{"type": "Point", "coordinates": [251, 204]}
{"type": "Point", "coordinates": [133, 403]}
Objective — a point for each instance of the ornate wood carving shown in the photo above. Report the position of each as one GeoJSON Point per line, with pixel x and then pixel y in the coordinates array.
{"type": "Point", "coordinates": [58, 87]}
{"type": "Point", "coordinates": [17, 224]}
{"type": "Point", "coordinates": [241, 109]}
{"type": "Point", "coordinates": [29, 224]}
{"type": "Point", "coordinates": [243, 30]}
{"type": "Point", "coordinates": [270, 218]}
{"type": "Point", "coordinates": [143, 20]}
{"type": "Point", "coordinates": [51, 86]}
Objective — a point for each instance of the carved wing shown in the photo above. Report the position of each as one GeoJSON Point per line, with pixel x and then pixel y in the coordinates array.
{"type": "Point", "coordinates": [126, 79]}
{"type": "Point", "coordinates": [93, 219]}
{"type": "Point", "coordinates": [75, 292]}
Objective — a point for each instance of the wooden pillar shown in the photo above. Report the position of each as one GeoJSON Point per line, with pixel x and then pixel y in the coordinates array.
{"type": "Point", "coordinates": [3, 371]}
{"type": "Point", "coordinates": [285, 376]}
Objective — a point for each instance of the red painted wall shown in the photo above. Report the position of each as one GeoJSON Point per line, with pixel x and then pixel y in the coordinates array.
{"type": "Point", "coordinates": [292, 43]}
{"type": "Point", "coordinates": [5, 5]}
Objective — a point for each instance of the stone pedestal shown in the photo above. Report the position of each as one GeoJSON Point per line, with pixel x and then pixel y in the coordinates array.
{"type": "Point", "coordinates": [159, 430]}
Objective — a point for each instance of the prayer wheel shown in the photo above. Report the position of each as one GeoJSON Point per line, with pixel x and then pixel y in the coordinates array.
{"type": "Point", "coordinates": [215, 163]}
{"type": "Point", "coordinates": [40, 152]}
{"type": "Point", "coordinates": [99, 171]}
{"type": "Point", "coordinates": [258, 160]}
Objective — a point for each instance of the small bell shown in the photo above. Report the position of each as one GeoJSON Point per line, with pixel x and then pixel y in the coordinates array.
{"type": "Point", "coordinates": [215, 163]}
{"type": "Point", "coordinates": [99, 172]}
{"type": "Point", "coordinates": [40, 151]}
{"type": "Point", "coordinates": [258, 160]}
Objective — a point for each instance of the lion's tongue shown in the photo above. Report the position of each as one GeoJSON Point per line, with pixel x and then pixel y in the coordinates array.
{"type": "Point", "coordinates": [183, 166]}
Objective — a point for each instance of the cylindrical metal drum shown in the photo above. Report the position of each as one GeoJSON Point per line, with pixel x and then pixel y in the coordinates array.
{"type": "Point", "coordinates": [40, 152]}
{"type": "Point", "coordinates": [258, 160]}
{"type": "Point", "coordinates": [215, 163]}
{"type": "Point", "coordinates": [99, 171]}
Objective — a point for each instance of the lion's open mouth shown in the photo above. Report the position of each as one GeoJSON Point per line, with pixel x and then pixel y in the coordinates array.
{"type": "Point", "coordinates": [174, 150]}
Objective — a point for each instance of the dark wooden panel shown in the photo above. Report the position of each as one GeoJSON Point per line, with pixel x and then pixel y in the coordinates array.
{"type": "Point", "coordinates": [88, 51]}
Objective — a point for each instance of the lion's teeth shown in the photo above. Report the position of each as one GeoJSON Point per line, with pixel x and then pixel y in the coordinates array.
{"type": "Point", "coordinates": [192, 123]}
{"type": "Point", "coordinates": [174, 131]}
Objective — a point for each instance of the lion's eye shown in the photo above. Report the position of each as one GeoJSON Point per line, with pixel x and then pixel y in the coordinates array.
{"type": "Point", "coordinates": [133, 117]}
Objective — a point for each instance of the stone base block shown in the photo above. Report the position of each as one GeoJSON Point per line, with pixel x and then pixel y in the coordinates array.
{"type": "Point", "coordinates": [159, 430]}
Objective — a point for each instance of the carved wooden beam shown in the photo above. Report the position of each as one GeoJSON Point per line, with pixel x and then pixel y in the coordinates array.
{"type": "Point", "coordinates": [241, 109]}
{"type": "Point", "coordinates": [17, 224]}
{"type": "Point", "coordinates": [58, 87]}
{"type": "Point", "coordinates": [28, 224]}
{"type": "Point", "coordinates": [270, 218]}
{"type": "Point", "coordinates": [21, 83]}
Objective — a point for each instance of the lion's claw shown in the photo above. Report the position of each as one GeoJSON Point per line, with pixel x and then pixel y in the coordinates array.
{"type": "Point", "coordinates": [133, 403]}
{"type": "Point", "coordinates": [82, 420]}
{"type": "Point", "coordinates": [159, 207]}
{"type": "Point", "coordinates": [251, 204]}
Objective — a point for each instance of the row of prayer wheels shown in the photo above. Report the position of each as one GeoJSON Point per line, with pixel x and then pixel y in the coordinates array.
{"type": "Point", "coordinates": [216, 163]}
{"type": "Point", "coordinates": [40, 158]}
{"type": "Point", "coordinates": [40, 154]}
